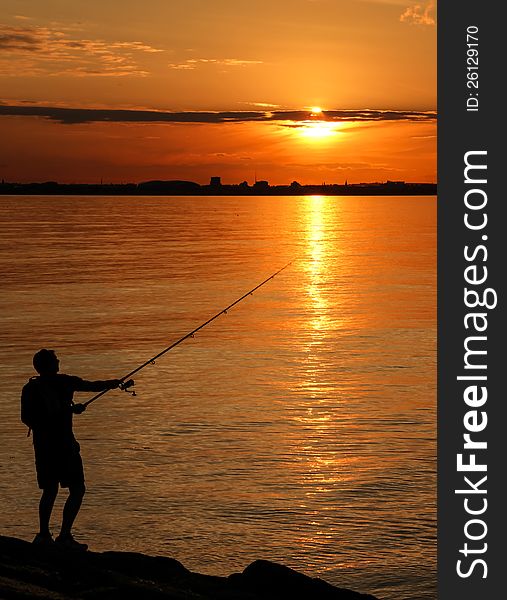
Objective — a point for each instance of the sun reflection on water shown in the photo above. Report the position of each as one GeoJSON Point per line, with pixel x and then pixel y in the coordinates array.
{"type": "Point", "coordinates": [318, 250]}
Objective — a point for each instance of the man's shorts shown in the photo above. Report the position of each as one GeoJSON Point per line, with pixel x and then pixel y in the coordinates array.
{"type": "Point", "coordinates": [59, 466]}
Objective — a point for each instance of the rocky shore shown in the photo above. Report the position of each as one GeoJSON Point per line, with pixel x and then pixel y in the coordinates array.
{"type": "Point", "coordinates": [28, 571]}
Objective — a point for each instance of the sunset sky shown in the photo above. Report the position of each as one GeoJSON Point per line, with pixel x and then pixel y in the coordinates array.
{"type": "Point", "coordinates": [306, 90]}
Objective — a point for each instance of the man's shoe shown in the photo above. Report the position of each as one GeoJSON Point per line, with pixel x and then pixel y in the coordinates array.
{"type": "Point", "coordinates": [68, 542]}
{"type": "Point", "coordinates": [43, 539]}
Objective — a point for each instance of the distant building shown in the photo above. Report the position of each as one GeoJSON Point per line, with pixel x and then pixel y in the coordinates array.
{"type": "Point", "coordinates": [261, 185]}
{"type": "Point", "coordinates": [215, 182]}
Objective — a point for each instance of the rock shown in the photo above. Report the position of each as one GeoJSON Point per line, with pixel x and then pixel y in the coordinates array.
{"type": "Point", "coordinates": [28, 571]}
{"type": "Point", "coordinates": [269, 579]}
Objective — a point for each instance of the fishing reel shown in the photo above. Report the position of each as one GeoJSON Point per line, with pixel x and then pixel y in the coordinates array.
{"type": "Point", "coordinates": [126, 385]}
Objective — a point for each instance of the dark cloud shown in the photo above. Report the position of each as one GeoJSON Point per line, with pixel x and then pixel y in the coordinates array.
{"type": "Point", "coordinates": [30, 50]}
{"type": "Point", "coordinates": [19, 41]}
{"type": "Point", "coordinates": [70, 116]}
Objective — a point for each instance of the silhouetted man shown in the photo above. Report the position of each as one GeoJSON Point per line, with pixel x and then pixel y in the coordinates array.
{"type": "Point", "coordinates": [47, 407]}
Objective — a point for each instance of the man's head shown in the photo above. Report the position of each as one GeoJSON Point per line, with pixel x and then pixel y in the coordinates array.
{"type": "Point", "coordinates": [46, 362]}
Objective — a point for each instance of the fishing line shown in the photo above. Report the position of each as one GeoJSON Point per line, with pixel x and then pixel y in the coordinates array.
{"type": "Point", "coordinates": [127, 383]}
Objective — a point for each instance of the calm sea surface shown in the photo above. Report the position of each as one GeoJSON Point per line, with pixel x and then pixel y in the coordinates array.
{"type": "Point", "coordinates": [298, 428]}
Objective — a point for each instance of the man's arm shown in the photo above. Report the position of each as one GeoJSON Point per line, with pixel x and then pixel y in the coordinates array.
{"type": "Point", "coordinates": [82, 385]}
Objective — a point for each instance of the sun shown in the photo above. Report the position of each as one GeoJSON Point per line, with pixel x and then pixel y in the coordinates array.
{"type": "Point", "coordinates": [318, 130]}
{"type": "Point", "coordinates": [316, 127]}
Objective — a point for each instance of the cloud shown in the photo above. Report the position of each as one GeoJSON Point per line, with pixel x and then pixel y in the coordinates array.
{"type": "Point", "coordinates": [341, 166]}
{"type": "Point", "coordinates": [260, 105]}
{"type": "Point", "coordinates": [263, 104]}
{"type": "Point", "coordinates": [232, 155]}
{"type": "Point", "coordinates": [18, 39]}
{"type": "Point", "coordinates": [186, 66]}
{"type": "Point", "coordinates": [193, 63]}
{"type": "Point", "coordinates": [389, 2]}
{"type": "Point", "coordinates": [71, 116]}
{"type": "Point", "coordinates": [419, 14]}
{"type": "Point", "coordinates": [30, 50]}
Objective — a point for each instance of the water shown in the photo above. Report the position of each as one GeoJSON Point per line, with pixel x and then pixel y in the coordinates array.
{"type": "Point", "coordinates": [298, 428]}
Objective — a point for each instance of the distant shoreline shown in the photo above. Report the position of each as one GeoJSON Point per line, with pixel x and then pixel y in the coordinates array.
{"type": "Point", "coordinates": [190, 188]}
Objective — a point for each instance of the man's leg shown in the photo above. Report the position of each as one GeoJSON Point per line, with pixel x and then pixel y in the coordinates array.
{"type": "Point", "coordinates": [46, 504]}
{"type": "Point", "coordinates": [71, 508]}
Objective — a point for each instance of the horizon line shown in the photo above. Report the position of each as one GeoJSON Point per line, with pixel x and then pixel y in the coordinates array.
{"type": "Point", "coordinates": [218, 183]}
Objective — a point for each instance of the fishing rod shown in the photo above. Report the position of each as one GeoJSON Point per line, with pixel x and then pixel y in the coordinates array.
{"type": "Point", "coordinates": [127, 383]}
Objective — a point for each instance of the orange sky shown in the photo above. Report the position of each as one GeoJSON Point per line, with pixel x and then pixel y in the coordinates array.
{"type": "Point", "coordinates": [375, 59]}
